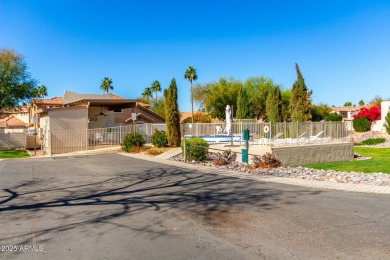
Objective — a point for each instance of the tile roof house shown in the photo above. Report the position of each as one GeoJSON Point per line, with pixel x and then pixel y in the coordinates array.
{"type": "Point", "coordinates": [12, 121]}
{"type": "Point", "coordinates": [346, 112]}
{"type": "Point", "coordinates": [88, 111]}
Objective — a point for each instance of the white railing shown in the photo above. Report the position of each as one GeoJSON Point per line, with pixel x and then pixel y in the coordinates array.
{"type": "Point", "coordinates": [291, 133]}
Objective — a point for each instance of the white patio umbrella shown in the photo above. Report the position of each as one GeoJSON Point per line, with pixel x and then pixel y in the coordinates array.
{"type": "Point", "coordinates": [228, 120]}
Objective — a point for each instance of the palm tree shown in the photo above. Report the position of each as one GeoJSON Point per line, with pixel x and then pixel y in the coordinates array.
{"type": "Point", "coordinates": [156, 87]}
{"type": "Point", "coordinates": [106, 84]}
{"type": "Point", "coordinates": [191, 75]}
{"type": "Point", "coordinates": [147, 93]}
{"type": "Point", "coordinates": [41, 91]}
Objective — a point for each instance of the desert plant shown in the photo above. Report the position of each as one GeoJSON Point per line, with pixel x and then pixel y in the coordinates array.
{"type": "Point", "coordinates": [132, 141]}
{"type": "Point", "coordinates": [387, 123]}
{"type": "Point", "coordinates": [196, 149]}
{"type": "Point", "coordinates": [159, 138]}
{"type": "Point", "coordinates": [267, 160]}
{"type": "Point", "coordinates": [224, 158]}
{"type": "Point", "coordinates": [154, 151]}
{"type": "Point", "coordinates": [361, 124]}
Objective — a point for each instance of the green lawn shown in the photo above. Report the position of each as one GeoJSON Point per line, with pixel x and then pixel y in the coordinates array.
{"type": "Point", "coordinates": [13, 154]}
{"type": "Point", "coordinates": [380, 162]}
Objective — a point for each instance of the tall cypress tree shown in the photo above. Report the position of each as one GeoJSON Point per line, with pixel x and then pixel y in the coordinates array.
{"type": "Point", "coordinates": [274, 105]}
{"type": "Point", "coordinates": [243, 106]}
{"type": "Point", "coordinates": [172, 115]}
{"type": "Point", "coordinates": [167, 108]}
{"type": "Point", "coordinates": [300, 105]}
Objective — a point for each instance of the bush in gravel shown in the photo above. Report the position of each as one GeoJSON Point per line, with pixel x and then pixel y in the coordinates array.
{"type": "Point", "coordinates": [224, 158]}
{"type": "Point", "coordinates": [196, 149]}
{"type": "Point", "coordinates": [361, 124]}
{"type": "Point", "coordinates": [154, 151]}
{"type": "Point", "coordinates": [267, 160]}
{"type": "Point", "coordinates": [373, 141]}
{"type": "Point", "coordinates": [132, 142]}
{"type": "Point", "coordinates": [159, 138]}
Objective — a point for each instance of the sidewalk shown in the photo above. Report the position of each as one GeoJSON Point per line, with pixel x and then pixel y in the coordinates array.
{"type": "Point", "coordinates": [323, 185]}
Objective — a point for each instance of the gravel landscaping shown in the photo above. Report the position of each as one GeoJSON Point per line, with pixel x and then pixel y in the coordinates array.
{"type": "Point", "coordinates": [378, 179]}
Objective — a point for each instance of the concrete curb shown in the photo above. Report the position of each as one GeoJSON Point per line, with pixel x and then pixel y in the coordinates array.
{"type": "Point", "coordinates": [323, 185]}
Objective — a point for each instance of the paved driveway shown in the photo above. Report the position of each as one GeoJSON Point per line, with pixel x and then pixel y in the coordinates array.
{"type": "Point", "coordinates": [117, 207]}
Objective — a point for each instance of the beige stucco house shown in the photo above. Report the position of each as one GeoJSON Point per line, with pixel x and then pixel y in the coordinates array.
{"type": "Point", "coordinates": [75, 112]}
{"type": "Point", "coordinates": [346, 112]}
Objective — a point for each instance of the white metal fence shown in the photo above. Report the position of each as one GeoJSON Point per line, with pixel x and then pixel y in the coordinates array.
{"type": "Point", "coordinates": [89, 139]}
{"type": "Point", "coordinates": [262, 133]}
{"type": "Point", "coordinates": [288, 133]}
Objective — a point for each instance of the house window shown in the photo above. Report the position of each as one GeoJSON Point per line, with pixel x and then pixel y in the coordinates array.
{"type": "Point", "coordinates": [118, 111]}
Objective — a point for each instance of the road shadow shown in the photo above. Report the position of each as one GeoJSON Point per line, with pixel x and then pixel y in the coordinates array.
{"type": "Point", "coordinates": [84, 204]}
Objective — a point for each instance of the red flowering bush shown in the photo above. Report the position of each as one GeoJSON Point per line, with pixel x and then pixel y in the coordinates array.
{"type": "Point", "coordinates": [371, 113]}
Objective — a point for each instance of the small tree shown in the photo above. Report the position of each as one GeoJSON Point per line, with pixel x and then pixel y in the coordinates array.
{"type": "Point", "coordinates": [16, 85]}
{"type": "Point", "coordinates": [320, 112]}
{"type": "Point", "coordinates": [300, 105]}
{"type": "Point", "coordinates": [172, 115]}
{"type": "Point", "coordinates": [274, 105]}
{"type": "Point", "coordinates": [334, 117]}
{"type": "Point", "coordinates": [361, 102]}
{"type": "Point", "coordinates": [348, 104]}
{"type": "Point", "coordinates": [243, 106]}
{"type": "Point", "coordinates": [387, 123]}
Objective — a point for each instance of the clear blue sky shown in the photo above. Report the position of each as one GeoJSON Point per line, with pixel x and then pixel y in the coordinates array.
{"type": "Point", "coordinates": [342, 47]}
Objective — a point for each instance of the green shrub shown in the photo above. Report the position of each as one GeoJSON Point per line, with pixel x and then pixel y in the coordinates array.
{"type": "Point", "coordinates": [132, 141]}
{"type": "Point", "coordinates": [387, 123]}
{"type": "Point", "coordinates": [373, 141]}
{"type": "Point", "coordinates": [159, 138]}
{"type": "Point", "coordinates": [334, 117]}
{"type": "Point", "coordinates": [361, 124]}
{"type": "Point", "coordinates": [196, 149]}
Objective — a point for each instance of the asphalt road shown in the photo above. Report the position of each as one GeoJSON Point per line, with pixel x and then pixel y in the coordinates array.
{"type": "Point", "coordinates": [117, 207]}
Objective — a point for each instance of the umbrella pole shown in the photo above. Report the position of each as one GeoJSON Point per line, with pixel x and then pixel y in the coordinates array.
{"type": "Point", "coordinates": [231, 129]}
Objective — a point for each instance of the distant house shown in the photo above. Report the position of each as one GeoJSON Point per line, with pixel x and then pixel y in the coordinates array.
{"type": "Point", "coordinates": [12, 122]}
{"type": "Point", "coordinates": [346, 112]}
{"type": "Point", "coordinates": [16, 118]}
{"type": "Point", "coordinates": [88, 111]}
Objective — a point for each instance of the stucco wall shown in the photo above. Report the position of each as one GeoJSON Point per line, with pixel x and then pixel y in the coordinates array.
{"type": "Point", "coordinates": [379, 125]}
{"type": "Point", "coordinates": [300, 155]}
{"type": "Point", "coordinates": [68, 119]}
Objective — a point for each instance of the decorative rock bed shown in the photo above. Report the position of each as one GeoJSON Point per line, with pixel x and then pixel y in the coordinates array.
{"type": "Point", "coordinates": [378, 179]}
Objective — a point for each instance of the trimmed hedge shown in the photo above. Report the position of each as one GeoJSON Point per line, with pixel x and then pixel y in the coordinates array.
{"type": "Point", "coordinates": [196, 149]}
{"type": "Point", "coordinates": [361, 124]}
{"type": "Point", "coordinates": [132, 140]}
{"type": "Point", "coordinates": [159, 138]}
{"type": "Point", "coordinates": [373, 141]}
